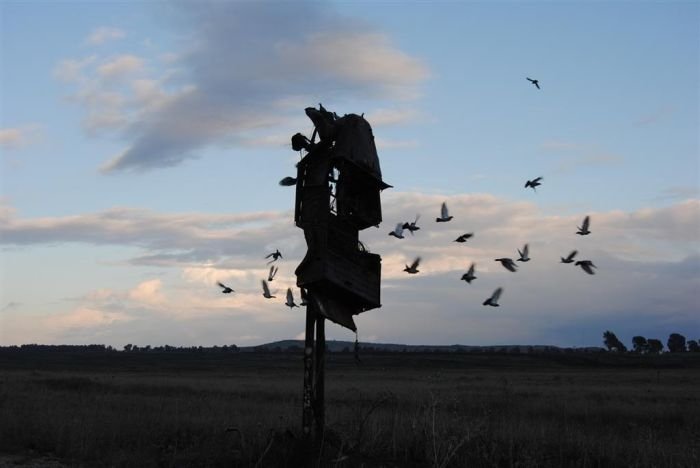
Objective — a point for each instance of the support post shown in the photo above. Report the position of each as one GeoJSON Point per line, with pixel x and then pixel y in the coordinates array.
{"type": "Point", "coordinates": [308, 396]}
{"type": "Point", "coordinates": [319, 385]}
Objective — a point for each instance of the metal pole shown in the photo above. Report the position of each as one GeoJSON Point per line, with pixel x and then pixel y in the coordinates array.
{"type": "Point", "coordinates": [319, 386]}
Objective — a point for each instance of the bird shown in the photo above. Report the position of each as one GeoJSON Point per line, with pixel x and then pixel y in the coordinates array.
{"type": "Point", "coordinates": [535, 82]}
{"type": "Point", "coordinates": [525, 254]}
{"type": "Point", "coordinates": [398, 231]}
{"type": "Point", "coordinates": [469, 275]}
{"type": "Point", "coordinates": [275, 255]}
{"type": "Point", "coordinates": [288, 181]}
{"type": "Point", "coordinates": [411, 227]}
{"type": "Point", "coordinates": [266, 290]}
{"type": "Point", "coordinates": [508, 264]}
{"type": "Point", "coordinates": [290, 299]}
{"type": "Point", "coordinates": [225, 289]}
{"type": "Point", "coordinates": [464, 237]}
{"type": "Point", "coordinates": [583, 230]}
{"type": "Point", "coordinates": [273, 272]}
{"type": "Point", "coordinates": [570, 258]}
{"type": "Point", "coordinates": [493, 300]}
{"type": "Point", "coordinates": [444, 214]}
{"type": "Point", "coordinates": [587, 266]}
{"type": "Point", "coordinates": [534, 183]}
{"type": "Point", "coordinates": [413, 269]}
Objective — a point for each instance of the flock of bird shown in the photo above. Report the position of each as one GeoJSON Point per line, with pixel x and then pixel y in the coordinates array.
{"type": "Point", "coordinates": [412, 269]}
{"type": "Point", "coordinates": [507, 263]}
{"type": "Point", "coordinates": [274, 256]}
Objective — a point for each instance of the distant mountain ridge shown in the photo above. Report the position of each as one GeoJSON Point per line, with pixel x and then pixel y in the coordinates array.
{"type": "Point", "coordinates": [334, 346]}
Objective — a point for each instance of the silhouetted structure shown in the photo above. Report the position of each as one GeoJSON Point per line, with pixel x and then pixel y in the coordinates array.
{"type": "Point", "coordinates": [337, 195]}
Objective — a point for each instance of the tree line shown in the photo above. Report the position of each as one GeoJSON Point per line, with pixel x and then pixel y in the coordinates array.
{"type": "Point", "coordinates": [676, 343]}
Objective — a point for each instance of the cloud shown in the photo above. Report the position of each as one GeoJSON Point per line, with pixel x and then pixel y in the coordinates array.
{"type": "Point", "coordinates": [242, 66]}
{"type": "Point", "coordinates": [18, 137]}
{"type": "Point", "coordinates": [679, 193]}
{"type": "Point", "coordinates": [72, 70]}
{"type": "Point", "coordinates": [574, 155]}
{"type": "Point", "coordinates": [646, 283]}
{"type": "Point", "coordinates": [104, 34]}
{"type": "Point", "coordinates": [120, 66]}
{"type": "Point", "coordinates": [657, 115]}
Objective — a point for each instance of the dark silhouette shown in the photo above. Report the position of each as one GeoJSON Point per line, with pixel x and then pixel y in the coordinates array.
{"type": "Point", "coordinates": [290, 299]}
{"type": "Point", "coordinates": [444, 214]}
{"type": "Point", "coordinates": [612, 343]}
{"type": "Point", "coordinates": [525, 254]}
{"type": "Point", "coordinates": [587, 266]}
{"type": "Point", "coordinates": [508, 264]}
{"type": "Point", "coordinates": [266, 290]}
{"type": "Point", "coordinates": [469, 275]}
{"type": "Point", "coordinates": [493, 300]}
{"type": "Point", "coordinates": [412, 227]}
{"type": "Point", "coordinates": [225, 289]}
{"type": "Point", "coordinates": [583, 230]}
{"type": "Point", "coordinates": [676, 343]}
{"type": "Point", "coordinates": [275, 256]}
{"type": "Point", "coordinates": [398, 231]}
{"type": "Point", "coordinates": [654, 346]}
{"type": "Point", "coordinates": [288, 182]}
{"type": "Point", "coordinates": [639, 344]}
{"type": "Point", "coordinates": [570, 257]}
{"type": "Point", "coordinates": [273, 272]}
{"type": "Point", "coordinates": [535, 82]}
{"type": "Point", "coordinates": [464, 237]}
{"type": "Point", "coordinates": [413, 269]}
{"type": "Point", "coordinates": [534, 183]}
{"type": "Point", "coordinates": [693, 346]}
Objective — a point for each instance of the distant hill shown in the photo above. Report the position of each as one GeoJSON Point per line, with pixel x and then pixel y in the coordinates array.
{"type": "Point", "coordinates": [334, 346]}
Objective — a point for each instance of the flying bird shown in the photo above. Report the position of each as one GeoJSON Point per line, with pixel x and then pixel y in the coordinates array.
{"type": "Point", "coordinates": [493, 300]}
{"type": "Point", "coordinates": [508, 264]}
{"type": "Point", "coordinates": [288, 181]}
{"type": "Point", "coordinates": [583, 230]}
{"type": "Point", "coordinates": [290, 299]}
{"type": "Point", "coordinates": [469, 275]}
{"type": "Point", "coordinates": [525, 254]}
{"type": "Point", "coordinates": [273, 272]}
{"type": "Point", "coordinates": [444, 214]}
{"type": "Point", "coordinates": [413, 269]}
{"type": "Point", "coordinates": [587, 266]}
{"type": "Point", "coordinates": [411, 227]}
{"type": "Point", "coordinates": [535, 82]}
{"type": "Point", "coordinates": [398, 231]}
{"type": "Point", "coordinates": [225, 289]}
{"type": "Point", "coordinates": [534, 183]}
{"type": "Point", "coordinates": [570, 258]}
{"type": "Point", "coordinates": [275, 256]}
{"type": "Point", "coordinates": [266, 290]}
{"type": "Point", "coordinates": [464, 237]}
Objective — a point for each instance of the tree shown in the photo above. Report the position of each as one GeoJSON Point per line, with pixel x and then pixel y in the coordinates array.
{"type": "Point", "coordinates": [693, 346]}
{"type": "Point", "coordinates": [128, 347]}
{"type": "Point", "coordinates": [612, 343]}
{"type": "Point", "coordinates": [676, 343]}
{"type": "Point", "coordinates": [654, 346]}
{"type": "Point", "coordinates": [639, 344]}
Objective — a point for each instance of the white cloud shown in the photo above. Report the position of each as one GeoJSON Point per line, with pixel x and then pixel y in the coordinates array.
{"type": "Point", "coordinates": [647, 278]}
{"type": "Point", "coordinates": [165, 116]}
{"type": "Point", "coordinates": [120, 66]}
{"type": "Point", "coordinates": [104, 34]}
{"type": "Point", "coordinates": [17, 137]}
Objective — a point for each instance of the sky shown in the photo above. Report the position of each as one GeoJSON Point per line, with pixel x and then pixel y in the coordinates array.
{"type": "Point", "coordinates": [141, 144]}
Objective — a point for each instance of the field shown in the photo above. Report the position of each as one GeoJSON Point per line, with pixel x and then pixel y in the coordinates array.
{"type": "Point", "coordinates": [392, 410]}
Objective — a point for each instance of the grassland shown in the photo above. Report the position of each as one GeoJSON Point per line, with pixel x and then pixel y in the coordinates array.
{"type": "Point", "coordinates": [393, 410]}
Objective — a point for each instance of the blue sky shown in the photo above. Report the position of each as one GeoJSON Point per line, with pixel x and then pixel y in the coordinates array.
{"type": "Point", "coordinates": [141, 144]}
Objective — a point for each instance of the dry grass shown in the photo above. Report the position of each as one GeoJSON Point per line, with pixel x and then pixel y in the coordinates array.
{"type": "Point", "coordinates": [394, 411]}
